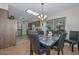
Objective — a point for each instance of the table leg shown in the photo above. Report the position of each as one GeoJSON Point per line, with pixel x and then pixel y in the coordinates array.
{"type": "Point", "coordinates": [48, 51]}
{"type": "Point", "coordinates": [31, 51]}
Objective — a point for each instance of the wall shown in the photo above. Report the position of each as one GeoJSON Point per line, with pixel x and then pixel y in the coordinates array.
{"type": "Point", "coordinates": [72, 18]}
{"type": "Point", "coordinates": [4, 6]}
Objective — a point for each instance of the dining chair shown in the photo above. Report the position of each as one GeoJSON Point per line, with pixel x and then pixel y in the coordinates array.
{"type": "Point", "coordinates": [73, 39]}
{"type": "Point", "coordinates": [58, 46]}
{"type": "Point", "coordinates": [35, 45]}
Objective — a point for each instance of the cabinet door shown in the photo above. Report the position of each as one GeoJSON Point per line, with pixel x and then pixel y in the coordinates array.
{"type": "Point", "coordinates": [1, 35]}
{"type": "Point", "coordinates": [13, 30]}
{"type": "Point", "coordinates": [7, 33]}
{"type": "Point", "coordinates": [3, 14]}
{"type": "Point", "coordinates": [3, 17]}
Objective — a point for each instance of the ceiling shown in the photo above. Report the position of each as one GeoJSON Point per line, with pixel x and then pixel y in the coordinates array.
{"type": "Point", "coordinates": [18, 9]}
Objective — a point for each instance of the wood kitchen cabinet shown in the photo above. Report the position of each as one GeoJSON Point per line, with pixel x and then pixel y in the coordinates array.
{"type": "Point", "coordinates": [7, 30]}
{"type": "Point", "coordinates": [36, 23]}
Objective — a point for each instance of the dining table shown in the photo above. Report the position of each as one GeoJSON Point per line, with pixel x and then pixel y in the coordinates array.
{"type": "Point", "coordinates": [48, 41]}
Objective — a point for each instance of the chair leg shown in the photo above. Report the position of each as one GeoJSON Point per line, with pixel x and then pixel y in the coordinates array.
{"type": "Point", "coordinates": [48, 52]}
{"type": "Point", "coordinates": [72, 48]}
{"type": "Point", "coordinates": [58, 52]}
{"type": "Point", "coordinates": [78, 46]}
{"type": "Point", "coordinates": [62, 51]}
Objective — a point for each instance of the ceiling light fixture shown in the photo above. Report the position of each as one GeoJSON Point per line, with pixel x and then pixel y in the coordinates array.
{"type": "Point", "coordinates": [32, 12]}
{"type": "Point", "coordinates": [42, 17]}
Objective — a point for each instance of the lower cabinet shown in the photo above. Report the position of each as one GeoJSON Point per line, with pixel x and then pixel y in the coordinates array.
{"type": "Point", "coordinates": [7, 33]}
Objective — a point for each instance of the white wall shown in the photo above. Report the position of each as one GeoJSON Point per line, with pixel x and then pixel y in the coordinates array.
{"type": "Point", "coordinates": [4, 6]}
{"type": "Point", "coordinates": [72, 18]}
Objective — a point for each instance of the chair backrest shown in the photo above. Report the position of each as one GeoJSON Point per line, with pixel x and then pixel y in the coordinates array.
{"type": "Point", "coordinates": [73, 35]}
{"type": "Point", "coordinates": [34, 40]}
{"type": "Point", "coordinates": [40, 32]}
{"type": "Point", "coordinates": [61, 41]}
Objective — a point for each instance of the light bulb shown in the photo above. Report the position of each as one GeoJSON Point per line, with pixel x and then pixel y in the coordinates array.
{"type": "Point", "coordinates": [41, 15]}
{"type": "Point", "coordinates": [45, 16]}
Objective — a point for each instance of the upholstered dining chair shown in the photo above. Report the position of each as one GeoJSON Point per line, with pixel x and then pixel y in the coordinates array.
{"type": "Point", "coordinates": [73, 39]}
{"type": "Point", "coordinates": [60, 44]}
{"type": "Point", "coordinates": [35, 45]}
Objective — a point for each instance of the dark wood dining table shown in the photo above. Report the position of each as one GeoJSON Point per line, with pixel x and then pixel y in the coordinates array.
{"type": "Point", "coordinates": [48, 41]}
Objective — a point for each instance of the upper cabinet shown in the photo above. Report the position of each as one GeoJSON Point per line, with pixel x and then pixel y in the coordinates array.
{"type": "Point", "coordinates": [36, 23]}
{"type": "Point", "coordinates": [4, 6]}
{"type": "Point", "coordinates": [3, 14]}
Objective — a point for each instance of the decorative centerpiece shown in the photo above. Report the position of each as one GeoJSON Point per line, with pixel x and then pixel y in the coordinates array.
{"type": "Point", "coordinates": [49, 34]}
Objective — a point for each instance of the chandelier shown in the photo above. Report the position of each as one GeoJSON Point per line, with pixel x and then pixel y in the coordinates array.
{"type": "Point", "coordinates": [42, 16]}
